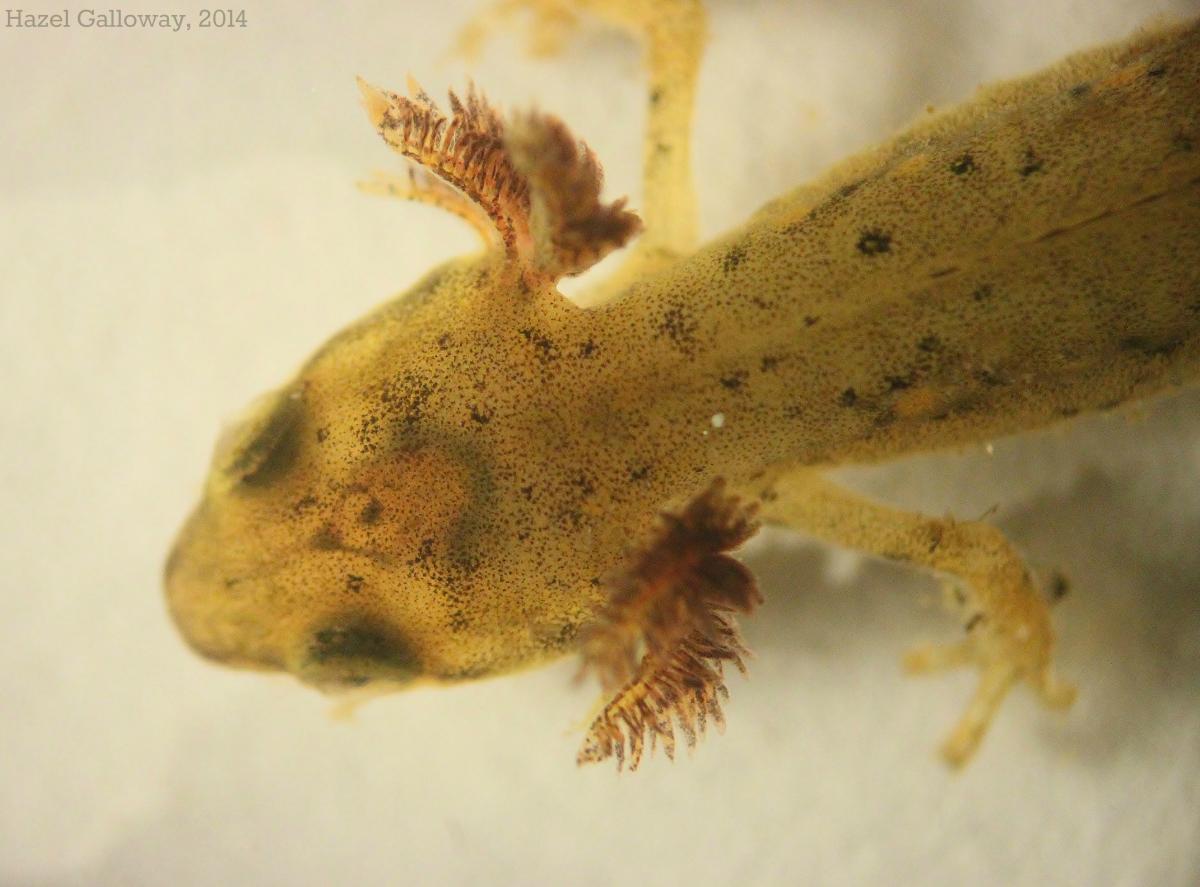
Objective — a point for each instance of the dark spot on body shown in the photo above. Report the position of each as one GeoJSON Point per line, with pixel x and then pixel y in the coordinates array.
{"type": "Point", "coordinates": [1079, 90]}
{"type": "Point", "coordinates": [679, 326]}
{"type": "Point", "coordinates": [1032, 163]}
{"type": "Point", "coordinates": [479, 416]}
{"type": "Point", "coordinates": [1059, 586]}
{"type": "Point", "coordinates": [884, 419]}
{"type": "Point", "coordinates": [962, 164]}
{"type": "Point", "coordinates": [734, 380]}
{"type": "Point", "coordinates": [527, 492]}
{"type": "Point", "coordinates": [942, 272]}
{"type": "Point", "coordinates": [543, 345]}
{"type": "Point", "coordinates": [982, 293]}
{"type": "Point", "coordinates": [930, 344]}
{"type": "Point", "coordinates": [459, 621]}
{"type": "Point", "coordinates": [767, 364]}
{"type": "Point", "coordinates": [732, 259]}
{"type": "Point", "coordinates": [874, 242]}
{"type": "Point", "coordinates": [405, 398]}
{"type": "Point", "coordinates": [655, 96]}
{"type": "Point", "coordinates": [898, 383]}
{"type": "Point", "coordinates": [304, 503]}
{"type": "Point", "coordinates": [811, 320]}
{"type": "Point", "coordinates": [1068, 412]}
{"type": "Point", "coordinates": [367, 430]}
{"type": "Point", "coordinates": [424, 553]}
{"type": "Point", "coordinates": [848, 398]}
{"type": "Point", "coordinates": [443, 341]}
{"type": "Point", "coordinates": [1182, 143]}
{"type": "Point", "coordinates": [770, 494]}
{"type": "Point", "coordinates": [588, 349]}
{"type": "Point", "coordinates": [1156, 71]}
{"type": "Point", "coordinates": [639, 473]}
{"type": "Point", "coordinates": [974, 621]}
{"type": "Point", "coordinates": [322, 435]}
{"type": "Point", "coordinates": [354, 583]}
{"type": "Point", "coordinates": [371, 512]}
{"type": "Point", "coordinates": [273, 448]}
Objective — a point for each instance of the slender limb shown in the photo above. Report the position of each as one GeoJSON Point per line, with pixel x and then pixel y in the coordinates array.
{"type": "Point", "coordinates": [1010, 638]}
{"type": "Point", "coordinates": [673, 33]}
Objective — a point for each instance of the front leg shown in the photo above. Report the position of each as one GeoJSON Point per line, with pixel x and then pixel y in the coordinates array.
{"type": "Point", "coordinates": [1009, 635]}
{"type": "Point", "coordinates": [673, 34]}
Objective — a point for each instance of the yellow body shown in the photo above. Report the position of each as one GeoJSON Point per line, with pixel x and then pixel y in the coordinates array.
{"type": "Point", "coordinates": [442, 490]}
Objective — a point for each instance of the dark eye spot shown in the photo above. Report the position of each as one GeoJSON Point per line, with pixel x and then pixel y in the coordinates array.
{"type": "Point", "coordinates": [329, 643]}
{"type": "Point", "coordinates": [272, 444]}
{"type": "Point", "coordinates": [347, 651]}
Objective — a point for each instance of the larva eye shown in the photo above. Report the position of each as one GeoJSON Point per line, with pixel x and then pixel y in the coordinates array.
{"type": "Point", "coordinates": [263, 445]}
{"type": "Point", "coordinates": [352, 652]}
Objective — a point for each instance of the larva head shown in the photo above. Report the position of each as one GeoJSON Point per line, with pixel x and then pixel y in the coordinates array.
{"type": "Point", "coordinates": [346, 516]}
{"type": "Point", "coordinates": [374, 520]}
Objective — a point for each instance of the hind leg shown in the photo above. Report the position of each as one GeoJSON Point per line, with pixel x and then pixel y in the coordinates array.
{"type": "Point", "coordinates": [1007, 619]}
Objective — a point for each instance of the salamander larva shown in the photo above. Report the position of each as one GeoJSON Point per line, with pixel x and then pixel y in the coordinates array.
{"type": "Point", "coordinates": [482, 475]}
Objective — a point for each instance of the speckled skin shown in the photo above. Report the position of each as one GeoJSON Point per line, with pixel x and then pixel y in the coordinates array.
{"type": "Point", "coordinates": [441, 490]}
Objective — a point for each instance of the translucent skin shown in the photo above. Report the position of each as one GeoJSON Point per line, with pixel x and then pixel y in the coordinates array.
{"type": "Point", "coordinates": [441, 491]}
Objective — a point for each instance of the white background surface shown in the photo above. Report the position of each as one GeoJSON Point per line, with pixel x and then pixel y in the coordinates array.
{"type": "Point", "coordinates": [179, 229]}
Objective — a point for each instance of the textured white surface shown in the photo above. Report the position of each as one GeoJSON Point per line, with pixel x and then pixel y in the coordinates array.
{"type": "Point", "coordinates": [180, 230]}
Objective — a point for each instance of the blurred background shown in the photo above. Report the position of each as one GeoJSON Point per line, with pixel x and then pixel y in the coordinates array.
{"type": "Point", "coordinates": [180, 229]}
